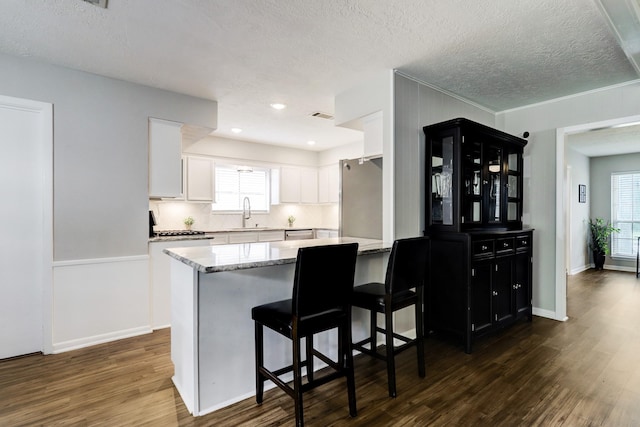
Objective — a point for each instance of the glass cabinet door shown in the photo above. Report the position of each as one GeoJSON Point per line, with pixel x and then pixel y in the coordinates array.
{"type": "Point", "coordinates": [493, 183]}
{"type": "Point", "coordinates": [514, 186]}
{"type": "Point", "coordinates": [442, 181]}
{"type": "Point", "coordinates": [472, 171]}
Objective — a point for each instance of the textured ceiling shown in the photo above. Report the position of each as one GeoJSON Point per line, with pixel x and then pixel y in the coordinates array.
{"type": "Point", "coordinates": [247, 54]}
{"type": "Point", "coordinates": [607, 142]}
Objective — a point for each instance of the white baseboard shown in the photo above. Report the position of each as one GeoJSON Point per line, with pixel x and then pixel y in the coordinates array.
{"type": "Point", "coordinates": [99, 339]}
{"type": "Point", "coordinates": [580, 269]}
{"type": "Point", "coordinates": [548, 314]}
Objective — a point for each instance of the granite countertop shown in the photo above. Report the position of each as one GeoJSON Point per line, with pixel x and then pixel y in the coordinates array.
{"type": "Point", "coordinates": [217, 258]}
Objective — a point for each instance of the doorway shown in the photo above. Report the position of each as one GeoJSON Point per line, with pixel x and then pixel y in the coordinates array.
{"type": "Point", "coordinates": [26, 188]}
{"type": "Point", "coordinates": [563, 198]}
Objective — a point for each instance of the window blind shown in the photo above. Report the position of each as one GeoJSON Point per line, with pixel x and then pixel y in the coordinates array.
{"type": "Point", "coordinates": [625, 213]}
{"type": "Point", "coordinates": [233, 186]}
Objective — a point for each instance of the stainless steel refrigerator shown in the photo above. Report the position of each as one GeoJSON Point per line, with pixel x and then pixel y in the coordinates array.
{"type": "Point", "coordinates": [361, 198]}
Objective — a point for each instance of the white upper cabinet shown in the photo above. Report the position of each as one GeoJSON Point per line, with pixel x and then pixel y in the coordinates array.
{"type": "Point", "coordinates": [296, 185]}
{"type": "Point", "coordinates": [328, 184]}
{"type": "Point", "coordinates": [165, 165]}
{"type": "Point", "coordinates": [308, 185]}
{"type": "Point", "coordinates": [372, 129]}
{"type": "Point", "coordinates": [200, 179]}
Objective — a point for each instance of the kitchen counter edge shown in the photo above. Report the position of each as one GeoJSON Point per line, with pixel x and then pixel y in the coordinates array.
{"type": "Point", "coordinates": [365, 247]}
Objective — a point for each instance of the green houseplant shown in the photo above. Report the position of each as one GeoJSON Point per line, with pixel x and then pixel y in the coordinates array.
{"type": "Point", "coordinates": [188, 222]}
{"type": "Point", "coordinates": [601, 230]}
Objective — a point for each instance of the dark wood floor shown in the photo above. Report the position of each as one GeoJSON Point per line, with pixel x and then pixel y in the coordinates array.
{"type": "Point", "coordinates": [582, 372]}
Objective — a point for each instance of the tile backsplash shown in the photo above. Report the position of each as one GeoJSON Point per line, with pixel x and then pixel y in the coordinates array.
{"type": "Point", "coordinates": [170, 215]}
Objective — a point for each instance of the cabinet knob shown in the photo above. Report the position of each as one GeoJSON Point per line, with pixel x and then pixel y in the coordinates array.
{"type": "Point", "coordinates": [484, 248]}
{"type": "Point", "coordinates": [495, 293]}
{"type": "Point", "coordinates": [505, 245]}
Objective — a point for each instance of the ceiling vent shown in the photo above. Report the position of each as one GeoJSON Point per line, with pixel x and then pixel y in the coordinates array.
{"type": "Point", "coordinates": [322, 115]}
{"type": "Point", "coordinates": [101, 3]}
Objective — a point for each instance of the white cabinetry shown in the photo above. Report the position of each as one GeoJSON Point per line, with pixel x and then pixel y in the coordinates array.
{"type": "Point", "coordinates": [373, 135]}
{"type": "Point", "coordinates": [271, 236]}
{"type": "Point", "coordinates": [165, 166]}
{"type": "Point", "coordinates": [200, 179]}
{"type": "Point", "coordinates": [297, 185]}
{"type": "Point", "coordinates": [243, 237]}
{"type": "Point", "coordinates": [328, 184]}
{"type": "Point", "coordinates": [322, 233]}
{"type": "Point", "coordinates": [308, 185]}
{"type": "Point", "coordinates": [218, 238]}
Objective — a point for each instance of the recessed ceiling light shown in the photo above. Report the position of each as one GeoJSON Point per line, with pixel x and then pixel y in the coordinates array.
{"type": "Point", "coordinates": [236, 130]}
{"type": "Point", "coordinates": [311, 143]}
{"type": "Point", "coordinates": [278, 106]}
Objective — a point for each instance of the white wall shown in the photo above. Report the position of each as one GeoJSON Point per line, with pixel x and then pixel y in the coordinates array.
{"type": "Point", "coordinates": [578, 226]}
{"type": "Point", "coordinates": [100, 152]}
{"type": "Point", "coordinates": [100, 287]}
{"type": "Point", "coordinates": [417, 105]}
{"type": "Point", "coordinates": [374, 93]}
{"type": "Point", "coordinates": [542, 121]}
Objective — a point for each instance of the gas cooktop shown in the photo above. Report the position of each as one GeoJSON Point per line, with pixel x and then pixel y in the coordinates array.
{"type": "Point", "coordinates": [167, 233]}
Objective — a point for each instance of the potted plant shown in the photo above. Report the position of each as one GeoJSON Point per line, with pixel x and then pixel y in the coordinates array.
{"type": "Point", "coordinates": [601, 230]}
{"type": "Point", "coordinates": [188, 222]}
{"type": "Point", "coordinates": [290, 220]}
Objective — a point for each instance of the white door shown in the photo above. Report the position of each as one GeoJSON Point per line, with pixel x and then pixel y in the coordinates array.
{"type": "Point", "coordinates": [25, 222]}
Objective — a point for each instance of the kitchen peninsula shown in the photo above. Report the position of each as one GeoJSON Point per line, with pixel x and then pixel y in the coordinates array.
{"type": "Point", "coordinates": [213, 289]}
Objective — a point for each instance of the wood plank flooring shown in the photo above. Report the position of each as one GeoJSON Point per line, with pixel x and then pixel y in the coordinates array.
{"type": "Point", "coordinates": [584, 372]}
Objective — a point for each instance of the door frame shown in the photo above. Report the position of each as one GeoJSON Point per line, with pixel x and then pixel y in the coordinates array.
{"type": "Point", "coordinates": [562, 205]}
{"type": "Point", "coordinates": [44, 113]}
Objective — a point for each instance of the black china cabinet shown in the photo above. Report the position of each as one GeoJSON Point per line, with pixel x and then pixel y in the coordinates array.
{"type": "Point", "coordinates": [481, 256]}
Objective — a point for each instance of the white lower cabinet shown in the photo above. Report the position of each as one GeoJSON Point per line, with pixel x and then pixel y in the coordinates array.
{"type": "Point", "coordinates": [218, 238]}
{"type": "Point", "coordinates": [243, 237]}
{"type": "Point", "coordinates": [322, 233]}
{"type": "Point", "coordinates": [271, 236]}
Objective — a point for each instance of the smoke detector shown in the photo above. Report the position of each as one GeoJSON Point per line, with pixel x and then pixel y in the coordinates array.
{"type": "Point", "coordinates": [101, 3]}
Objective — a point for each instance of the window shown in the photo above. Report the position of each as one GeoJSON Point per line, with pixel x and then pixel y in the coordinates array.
{"type": "Point", "coordinates": [233, 186]}
{"type": "Point", "coordinates": [625, 213]}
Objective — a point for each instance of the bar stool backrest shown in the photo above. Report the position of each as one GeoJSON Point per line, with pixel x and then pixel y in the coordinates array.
{"type": "Point", "coordinates": [323, 279]}
{"type": "Point", "coordinates": [408, 263]}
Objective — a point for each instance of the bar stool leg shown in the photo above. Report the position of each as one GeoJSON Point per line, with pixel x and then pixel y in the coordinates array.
{"type": "Point", "coordinates": [259, 362]}
{"type": "Point", "coordinates": [297, 381]}
{"type": "Point", "coordinates": [391, 365]}
{"type": "Point", "coordinates": [309, 345]}
{"type": "Point", "coordinates": [373, 331]}
{"type": "Point", "coordinates": [346, 361]}
{"type": "Point", "coordinates": [420, 336]}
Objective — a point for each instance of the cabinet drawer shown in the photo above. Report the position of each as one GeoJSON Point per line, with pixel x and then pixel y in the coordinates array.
{"type": "Point", "coordinates": [504, 245]}
{"type": "Point", "coordinates": [483, 248]}
{"type": "Point", "coordinates": [523, 242]}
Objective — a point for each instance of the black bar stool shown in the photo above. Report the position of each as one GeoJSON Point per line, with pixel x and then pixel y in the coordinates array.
{"type": "Point", "coordinates": [322, 290]}
{"type": "Point", "coordinates": [403, 287]}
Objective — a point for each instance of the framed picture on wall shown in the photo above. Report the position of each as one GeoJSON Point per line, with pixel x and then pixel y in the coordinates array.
{"type": "Point", "coordinates": [582, 193]}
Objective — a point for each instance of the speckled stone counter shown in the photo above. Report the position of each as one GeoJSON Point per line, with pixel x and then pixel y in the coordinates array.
{"type": "Point", "coordinates": [212, 259]}
{"type": "Point", "coordinates": [213, 289]}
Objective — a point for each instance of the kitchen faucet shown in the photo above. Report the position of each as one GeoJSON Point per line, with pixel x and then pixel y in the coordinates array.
{"type": "Point", "coordinates": [246, 211]}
